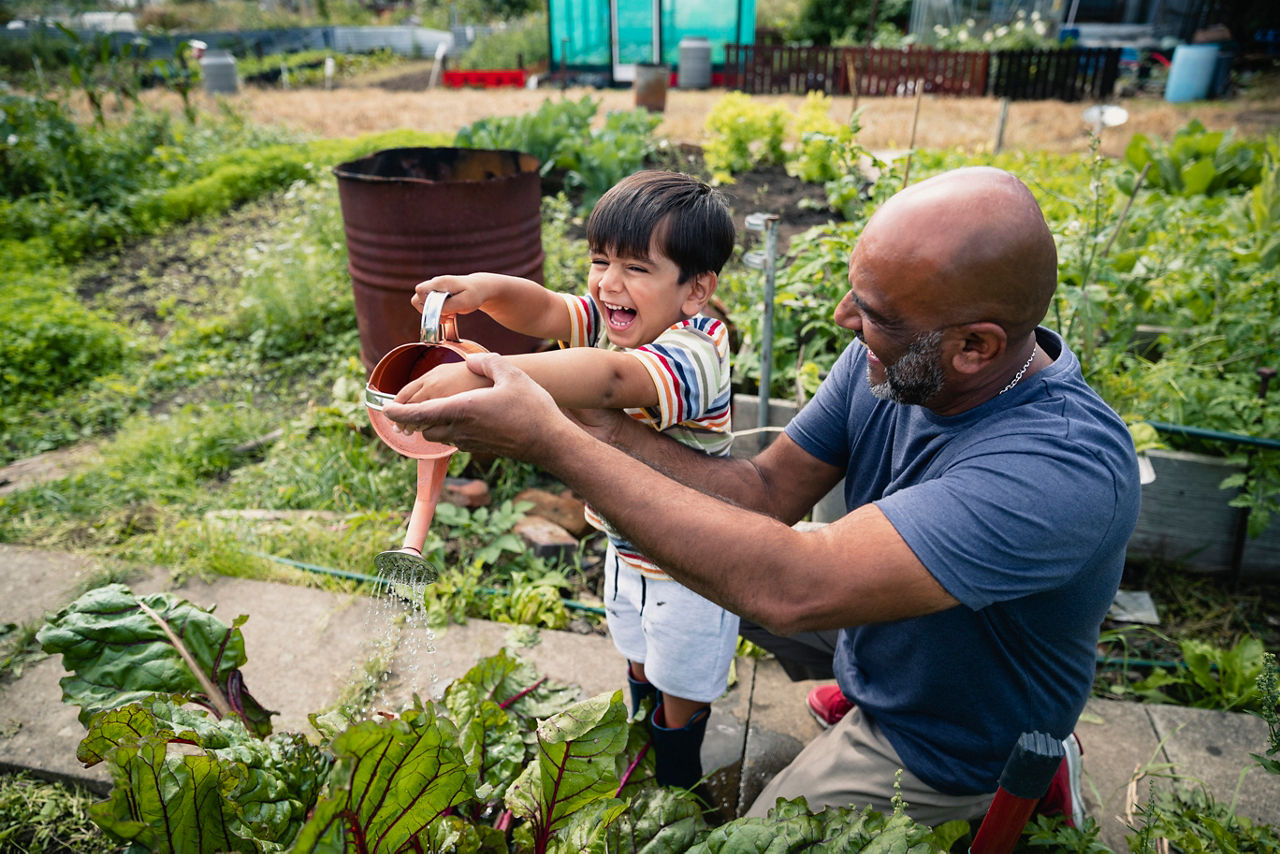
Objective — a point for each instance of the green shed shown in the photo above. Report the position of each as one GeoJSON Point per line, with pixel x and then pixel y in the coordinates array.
{"type": "Point", "coordinates": [612, 36]}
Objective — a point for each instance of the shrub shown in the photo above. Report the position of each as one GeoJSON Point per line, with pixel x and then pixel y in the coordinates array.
{"type": "Point", "coordinates": [743, 135]}
{"type": "Point", "coordinates": [521, 44]}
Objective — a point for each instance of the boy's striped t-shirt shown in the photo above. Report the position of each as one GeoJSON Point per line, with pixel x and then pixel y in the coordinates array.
{"type": "Point", "coordinates": [689, 364]}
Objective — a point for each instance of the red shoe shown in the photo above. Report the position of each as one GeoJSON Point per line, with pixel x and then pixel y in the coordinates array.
{"type": "Point", "coordinates": [1064, 797]}
{"type": "Point", "coordinates": [828, 705]}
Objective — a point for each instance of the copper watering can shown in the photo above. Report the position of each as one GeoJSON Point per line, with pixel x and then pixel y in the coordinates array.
{"type": "Point", "coordinates": [440, 345]}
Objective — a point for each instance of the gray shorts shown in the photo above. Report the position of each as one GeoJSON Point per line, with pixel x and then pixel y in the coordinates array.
{"type": "Point", "coordinates": [853, 765]}
{"type": "Point", "coordinates": [685, 642]}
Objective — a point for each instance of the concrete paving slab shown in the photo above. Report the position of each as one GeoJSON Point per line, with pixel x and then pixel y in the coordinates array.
{"type": "Point", "coordinates": [51, 465]}
{"type": "Point", "coordinates": [1119, 743]}
{"type": "Point", "coordinates": [307, 647]}
{"type": "Point", "coordinates": [1213, 747]}
{"type": "Point", "coordinates": [303, 646]}
{"type": "Point", "coordinates": [778, 729]}
{"type": "Point", "coordinates": [36, 581]}
{"type": "Point", "coordinates": [39, 733]}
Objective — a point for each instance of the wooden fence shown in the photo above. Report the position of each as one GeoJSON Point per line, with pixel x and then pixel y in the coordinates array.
{"type": "Point", "coordinates": [1067, 74]}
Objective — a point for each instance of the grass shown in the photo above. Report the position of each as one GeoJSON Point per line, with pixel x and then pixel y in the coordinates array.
{"type": "Point", "coordinates": [39, 817]}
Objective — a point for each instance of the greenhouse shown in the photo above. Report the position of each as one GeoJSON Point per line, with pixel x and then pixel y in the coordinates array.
{"type": "Point", "coordinates": [615, 35]}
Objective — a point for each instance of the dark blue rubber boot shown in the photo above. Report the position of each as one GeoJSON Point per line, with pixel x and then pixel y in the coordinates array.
{"type": "Point", "coordinates": [640, 691]}
{"type": "Point", "coordinates": [677, 752]}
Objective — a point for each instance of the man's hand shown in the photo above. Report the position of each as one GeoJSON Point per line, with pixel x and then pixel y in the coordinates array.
{"type": "Point", "coordinates": [515, 418]}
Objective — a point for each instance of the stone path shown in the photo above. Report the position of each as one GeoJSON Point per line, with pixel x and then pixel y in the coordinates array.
{"type": "Point", "coordinates": [306, 647]}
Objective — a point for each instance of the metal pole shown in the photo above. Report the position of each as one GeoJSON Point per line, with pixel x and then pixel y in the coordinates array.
{"type": "Point", "coordinates": [766, 342]}
{"type": "Point", "coordinates": [767, 261]}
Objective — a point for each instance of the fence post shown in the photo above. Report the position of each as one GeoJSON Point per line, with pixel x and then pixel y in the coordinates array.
{"type": "Point", "coordinates": [1004, 115]}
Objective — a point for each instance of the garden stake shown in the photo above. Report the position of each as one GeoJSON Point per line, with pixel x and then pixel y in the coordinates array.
{"type": "Point", "coordinates": [915, 120]}
{"type": "Point", "coordinates": [852, 72]}
{"type": "Point", "coordinates": [1241, 533]}
{"type": "Point", "coordinates": [1142, 176]}
{"type": "Point", "coordinates": [768, 223]}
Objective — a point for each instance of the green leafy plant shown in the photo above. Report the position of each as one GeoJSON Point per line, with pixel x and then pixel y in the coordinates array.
{"type": "Point", "coordinates": [505, 761]}
{"type": "Point", "coordinates": [560, 134]}
{"type": "Point", "coordinates": [742, 134]}
{"type": "Point", "coordinates": [134, 643]}
{"type": "Point", "coordinates": [520, 44]}
{"type": "Point", "coordinates": [1196, 161]}
{"type": "Point", "coordinates": [1186, 817]}
{"type": "Point", "coordinates": [1269, 711]}
{"type": "Point", "coordinates": [1210, 677]}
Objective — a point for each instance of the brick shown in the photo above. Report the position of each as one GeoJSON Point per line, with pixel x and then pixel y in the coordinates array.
{"type": "Point", "coordinates": [466, 493]}
{"type": "Point", "coordinates": [565, 509]}
{"type": "Point", "coordinates": [546, 538]}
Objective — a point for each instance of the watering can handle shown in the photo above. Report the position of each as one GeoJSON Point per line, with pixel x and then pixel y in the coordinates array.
{"type": "Point", "coordinates": [437, 326]}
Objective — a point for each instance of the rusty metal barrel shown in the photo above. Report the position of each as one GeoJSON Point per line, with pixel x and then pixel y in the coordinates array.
{"type": "Point", "coordinates": [413, 213]}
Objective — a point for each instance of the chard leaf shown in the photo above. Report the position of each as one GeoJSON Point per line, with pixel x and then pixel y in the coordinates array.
{"type": "Point", "coordinates": [657, 820]}
{"type": "Point", "coordinates": [790, 827]}
{"type": "Point", "coordinates": [635, 765]}
{"type": "Point", "coordinates": [516, 687]}
{"type": "Point", "coordinates": [588, 831]}
{"type": "Point", "coordinates": [265, 787]}
{"type": "Point", "coordinates": [168, 806]}
{"type": "Point", "coordinates": [574, 766]}
{"type": "Point", "coordinates": [117, 654]}
{"type": "Point", "coordinates": [451, 835]}
{"type": "Point", "coordinates": [393, 778]}
{"type": "Point", "coordinates": [491, 740]}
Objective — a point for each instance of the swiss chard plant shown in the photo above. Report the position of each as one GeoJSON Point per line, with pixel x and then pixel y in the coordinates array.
{"type": "Point", "coordinates": [504, 761]}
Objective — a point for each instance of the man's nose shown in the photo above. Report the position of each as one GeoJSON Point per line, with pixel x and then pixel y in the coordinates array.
{"type": "Point", "coordinates": [847, 314]}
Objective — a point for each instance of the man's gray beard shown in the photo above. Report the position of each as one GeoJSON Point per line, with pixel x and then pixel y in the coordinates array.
{"type": "Point", "coordinates": [917, 376]}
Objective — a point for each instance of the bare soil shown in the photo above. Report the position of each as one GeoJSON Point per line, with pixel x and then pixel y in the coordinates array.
{"type": "Point", "coordinates": [400, 98]}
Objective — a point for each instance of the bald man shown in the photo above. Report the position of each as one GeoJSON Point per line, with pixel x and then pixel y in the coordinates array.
{"type": "Point", "coordinates": [990, 496]}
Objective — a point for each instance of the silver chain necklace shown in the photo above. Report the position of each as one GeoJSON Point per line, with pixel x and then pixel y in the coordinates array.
{"type": "Point", "coordinates": [1013, 382]}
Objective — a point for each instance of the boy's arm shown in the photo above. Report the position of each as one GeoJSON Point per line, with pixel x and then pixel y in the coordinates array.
{"type": "Point", "coordinates": [577, 378]}
{"type": "Point", "coordinates": [518, 304]}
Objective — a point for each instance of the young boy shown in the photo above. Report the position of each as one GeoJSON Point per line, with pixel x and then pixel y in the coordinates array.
{"type": "Point", "coordinates": [638, 342]}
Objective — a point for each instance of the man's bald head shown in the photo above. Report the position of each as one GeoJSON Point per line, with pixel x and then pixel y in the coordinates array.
{"type": "Point", "coordinates": [972, 244]}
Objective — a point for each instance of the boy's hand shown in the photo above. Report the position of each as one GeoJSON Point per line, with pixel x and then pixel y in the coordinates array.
{"type": "Point", "coordinates": [442, 381]}
{"type": "Point", "coordinates": [515, 418]}
{"type": "Point", "coordinates": [466, 293]}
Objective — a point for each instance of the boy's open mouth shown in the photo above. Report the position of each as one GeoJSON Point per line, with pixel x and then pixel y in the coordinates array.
{"type": "Point", "coordinates": [620, 317]}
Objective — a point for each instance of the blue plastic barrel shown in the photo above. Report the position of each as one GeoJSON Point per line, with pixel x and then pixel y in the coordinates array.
{"type": "Point", "coordinates": [1191, 72]}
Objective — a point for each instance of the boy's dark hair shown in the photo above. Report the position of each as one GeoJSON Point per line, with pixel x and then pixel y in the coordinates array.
{"type": "Point", "coordinates": [689, 220]}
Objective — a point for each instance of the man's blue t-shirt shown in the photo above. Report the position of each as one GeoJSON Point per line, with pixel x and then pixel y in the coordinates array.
{"type": "Point", "coordinates": [1021, 508]}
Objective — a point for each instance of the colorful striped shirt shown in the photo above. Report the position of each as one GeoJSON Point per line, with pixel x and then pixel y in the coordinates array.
{"type": "Point", "coordinates": [689, 364]}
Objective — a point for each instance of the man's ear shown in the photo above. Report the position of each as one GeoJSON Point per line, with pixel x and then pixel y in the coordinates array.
{"type": "Point", "coordinates": [701, 288]}
{"type": "Point", "coordinates": [977, 345]}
